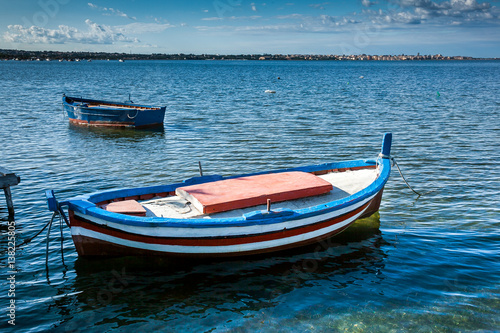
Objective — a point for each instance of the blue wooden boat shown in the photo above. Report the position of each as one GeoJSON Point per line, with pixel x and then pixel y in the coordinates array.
{"type": "Point", "coordinates": [216, 216]}
{"type": "Point", "coordinates": [90, 112]}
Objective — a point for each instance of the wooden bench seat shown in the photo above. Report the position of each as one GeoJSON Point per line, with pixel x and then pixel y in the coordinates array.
{"type": "Point", "coordinates": [127, 207]}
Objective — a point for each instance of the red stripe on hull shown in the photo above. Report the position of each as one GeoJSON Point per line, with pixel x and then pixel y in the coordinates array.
{"type": "Point", "coordinates": [94, 123]}
{"type": "Point", "coordinates": [79, 122]}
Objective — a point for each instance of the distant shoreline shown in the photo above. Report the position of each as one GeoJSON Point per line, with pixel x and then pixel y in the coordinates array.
{"type": "Point", "coordinates": [6, 54]}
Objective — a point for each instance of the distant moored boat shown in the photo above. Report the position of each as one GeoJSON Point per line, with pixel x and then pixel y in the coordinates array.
{"type": "Point", "coordinates": [90, 112]}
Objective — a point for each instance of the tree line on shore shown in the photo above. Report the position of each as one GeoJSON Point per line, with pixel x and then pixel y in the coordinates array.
{"type": "Point", "coordinates": [77, 56]}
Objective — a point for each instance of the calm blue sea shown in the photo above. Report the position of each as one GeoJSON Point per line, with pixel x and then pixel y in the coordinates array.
{"type": "Point", "coordinates": [428, 263]}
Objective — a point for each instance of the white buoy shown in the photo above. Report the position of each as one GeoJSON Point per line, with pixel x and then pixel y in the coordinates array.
{"type": "Point", "coordinates": [270, 91]}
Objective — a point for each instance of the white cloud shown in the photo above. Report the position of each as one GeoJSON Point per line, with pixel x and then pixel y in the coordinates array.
{"type": "Point", "coordinates": [142, 28]}
{"type": "Point", "coordinates": [215, 18]}
{"type": "Point", "coordinates": [233, 18]}
{"type": "Point", "coordinates": [368, 3]}
{"type": "Point", "coordinates": [319, 5]}
{"type": "Point", "coordinates": [455, 10]}
{"type": "Point", "coordinates": [401, 13]}
{"type": "Point", "coordinates": [291, 16]}
{"type": "Point", "coordinates": [111, 11]}
{"type": "Point", "coordinates": [95, 34]}
{"type": "Point", "coordinates": [452, 12]}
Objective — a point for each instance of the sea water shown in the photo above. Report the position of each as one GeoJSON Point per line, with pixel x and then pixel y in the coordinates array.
{"type": "Point", "coordinates": [425, 263]}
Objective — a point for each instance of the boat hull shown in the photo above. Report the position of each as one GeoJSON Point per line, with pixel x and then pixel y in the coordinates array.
{"type": "Point", "coordinates": [94, 237]}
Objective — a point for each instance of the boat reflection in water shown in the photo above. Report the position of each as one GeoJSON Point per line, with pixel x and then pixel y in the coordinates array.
{"type": "Point", "coordinates": [186, 291]}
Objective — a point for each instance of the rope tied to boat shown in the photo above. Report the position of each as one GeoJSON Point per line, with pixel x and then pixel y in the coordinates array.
{"type": "Point", "coordinates": [404, 179]}
{"type": "Point", "coordinates": [49, 224]}
{"type": "Point", "coordinates": [57, 210]}
{"type": "Point", "coordinates": [394, 163]}
{"type": "Point", "coordinates": [38, 233]}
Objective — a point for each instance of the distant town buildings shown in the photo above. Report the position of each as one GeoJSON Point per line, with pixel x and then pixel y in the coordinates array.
{"type": "Point", "coordinates": [88, 56]}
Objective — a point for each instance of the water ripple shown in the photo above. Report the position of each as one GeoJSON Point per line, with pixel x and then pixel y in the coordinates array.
{"type": "Point", "coordinates": [426, 264]}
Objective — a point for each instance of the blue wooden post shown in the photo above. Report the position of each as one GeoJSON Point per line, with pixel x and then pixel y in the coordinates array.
{"type": "Point", "coordinates": [386, 145]}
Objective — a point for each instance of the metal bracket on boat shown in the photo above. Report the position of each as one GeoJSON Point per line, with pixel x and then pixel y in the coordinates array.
{"type": "Point", "coordinates": [264, 214]}
{"type": "Point", "coordinates": [200, 169]}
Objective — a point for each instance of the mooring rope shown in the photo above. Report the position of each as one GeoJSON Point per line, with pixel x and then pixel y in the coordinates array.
{"type": "Point", "coordinates": [38, 233]}
{"type": "Point", "coordinates": [409, 186]}
{"type": "Point", "coordinates": [48, 238]}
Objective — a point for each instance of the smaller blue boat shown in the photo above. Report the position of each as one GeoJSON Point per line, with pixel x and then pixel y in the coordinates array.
{"type": "Point", "coordinates": [90, 112]}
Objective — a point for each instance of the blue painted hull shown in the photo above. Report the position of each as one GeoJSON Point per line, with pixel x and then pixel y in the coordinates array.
{"type": "Point", "coordinates": [90, 112]}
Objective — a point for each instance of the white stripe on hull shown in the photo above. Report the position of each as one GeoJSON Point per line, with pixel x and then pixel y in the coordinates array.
{"type": "Point", "coordinates": [216, 231]}
{"type": "Point", "coordinates": [237, 248]}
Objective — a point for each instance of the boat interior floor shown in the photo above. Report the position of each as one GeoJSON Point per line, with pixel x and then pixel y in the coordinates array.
{"type": "Point", "coordinates": [344, 184]}
{"type": "Point", "coordinates": [124, 107]}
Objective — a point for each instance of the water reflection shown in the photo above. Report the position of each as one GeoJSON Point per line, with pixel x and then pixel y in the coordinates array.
{"type": "Point", "coordinates": [190, 290]}
{"type": "Point", "coordinates": [113, 133]}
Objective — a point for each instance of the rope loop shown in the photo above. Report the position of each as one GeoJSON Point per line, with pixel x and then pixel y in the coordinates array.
{"type": "Point", "coordinates": [384, 156]}
{"type": "Point", "coordinates": [136, 113]}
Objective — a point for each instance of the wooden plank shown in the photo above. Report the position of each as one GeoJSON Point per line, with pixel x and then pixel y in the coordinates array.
{"type": "Point", "coordinates": [251, 191]}
{"type": "Point", "coordinates": [127, 207]}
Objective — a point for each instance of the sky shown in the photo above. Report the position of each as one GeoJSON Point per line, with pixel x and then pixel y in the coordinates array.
{"type": "Point", "coordinates": [447, 27]}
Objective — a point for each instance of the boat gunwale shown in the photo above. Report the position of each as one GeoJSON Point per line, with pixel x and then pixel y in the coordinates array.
{"type": "Point", "coordinates": [124, 105]}
{"type": "Point", "coordinates": [88, 204]}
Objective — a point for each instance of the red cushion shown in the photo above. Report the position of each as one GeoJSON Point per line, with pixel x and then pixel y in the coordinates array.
{"type": "Point", "coordinates": [251, 191]}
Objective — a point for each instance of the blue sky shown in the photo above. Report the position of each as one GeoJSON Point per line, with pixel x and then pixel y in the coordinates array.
{"type": "Point", "coordinates": [451, 27]}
